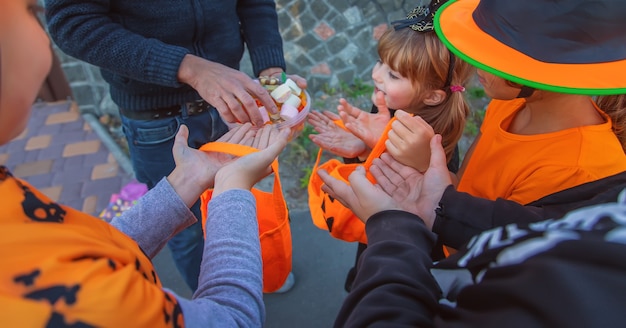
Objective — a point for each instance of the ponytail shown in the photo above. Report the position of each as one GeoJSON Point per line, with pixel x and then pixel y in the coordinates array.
{"type": "Point", "coordinates": [615, 108]}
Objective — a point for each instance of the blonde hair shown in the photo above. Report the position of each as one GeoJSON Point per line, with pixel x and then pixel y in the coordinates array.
{"type": "Point", "coordinates": [615, 108]}
{"type": "Point", "coordinates": [425, 61]}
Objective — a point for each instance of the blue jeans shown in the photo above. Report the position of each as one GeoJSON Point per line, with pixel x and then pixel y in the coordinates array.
{"type": "Point", "coordinates": [150, 143]}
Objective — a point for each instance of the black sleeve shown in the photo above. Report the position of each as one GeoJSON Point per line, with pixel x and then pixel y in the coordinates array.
{"type": "Point", "coordinates": [460, 216]}
{"type": "Point", "coordinates": [393, 286]}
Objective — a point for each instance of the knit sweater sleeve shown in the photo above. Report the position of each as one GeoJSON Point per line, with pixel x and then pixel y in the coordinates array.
{"type": "Point", "coordinates": [230, 286]}
{"type": "Point", "coordinates": [86, 30]}
{"type": "Point", "coordinates": [259, 24]}
{"type": "Point", "coordinates": [393, 285]}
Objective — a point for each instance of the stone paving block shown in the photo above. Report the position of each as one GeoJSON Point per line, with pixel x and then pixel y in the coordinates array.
{"type": "Point", "coordinates": [63, 117]}
{"type": "Point", "coordinates": [32, 156]}
{"type": "Point", "coordinates": [103, 171]}
{"type": "Point", "coordinates": [95, 187]}
{"type": "Point", "coordinates": [67, 175]}
{"type": "Point", "coordinates": [33, 168]}
{"type": "Point", "coordinates": [51, 152]}
{"type": "Point", "coordinates": [38, 142]}
{"type": "Point", "coordinates": [61, 163]}
{"type": "Point", "coordinates": [64, 138]}
{"type": "Point", "coordinates": [52, 192]}
{"type": "Point", "coordinates": [16, 145]}
{"type": "Point", "coordinates": [71, 190]}
{"type": "Point", "coordinates": [14, 159]}
{"type": "Point", "coordinates": [89, 205]}
{"type": "Point", "coordinates": [39, 180]}
{"type": "Point", "coordinates": [81, 148]}
{"type": "Point", "coordinates": [99, 157]}
{"type": "Point", "coordinates": [52, 130]}
{"type": "Point", "coordinates": [73, 126]}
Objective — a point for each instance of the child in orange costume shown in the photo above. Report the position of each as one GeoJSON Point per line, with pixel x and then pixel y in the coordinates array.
{"type": "Point", "coordinates": [543, 132]}
{"type": "Point", "coordinates": [62, 267]}
{"type": "Point", "coordinates": [416, 74]}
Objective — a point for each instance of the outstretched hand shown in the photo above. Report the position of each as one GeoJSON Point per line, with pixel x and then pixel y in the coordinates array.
{"type": "Point", "coordinates": [195, 170]}
{"type": "Point", "coordinates": [415, 192]}
{"type": "Point", "coordinates": [362, 197]}
{"type": "Point", "coordinates": [366, 126]}
{"type": "Point", "coordinates": [246, 171]}
{"type": "Point", "coordinates": [334, 138]}
{"type": "Point", "coordinates": [409, 140]}
{"type": "Point", "coordinates": [398, 187]}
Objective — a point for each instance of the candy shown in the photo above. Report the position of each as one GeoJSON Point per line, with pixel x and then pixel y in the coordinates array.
{"type": "Point", "coordinates": [264, 114]}
{"type": "Point", "coordinates": [281, 93]}
{"type": "Point", "coordinates": [293, 100]}
{"type": "Point", "coordinates": [288, 111]}
{"type": "Point", "coordinates": [295, 89]}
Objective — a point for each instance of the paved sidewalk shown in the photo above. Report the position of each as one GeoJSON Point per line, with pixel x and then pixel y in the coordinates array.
{"type": "Point", "coordinates": [69, 158]}
{"type": "Point", "coordinates": [63, 156]}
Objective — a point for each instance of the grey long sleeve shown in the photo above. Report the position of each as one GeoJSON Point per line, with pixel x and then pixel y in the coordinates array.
{"type": "Point", "coordinates": [230, 284]}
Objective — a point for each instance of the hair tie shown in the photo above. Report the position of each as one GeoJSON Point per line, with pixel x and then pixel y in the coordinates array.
{"type": "Point", "coordinates": [457, 88]}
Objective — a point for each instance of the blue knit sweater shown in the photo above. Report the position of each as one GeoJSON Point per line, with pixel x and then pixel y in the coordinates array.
{"type": "Point", "coordinates": [140, 44]}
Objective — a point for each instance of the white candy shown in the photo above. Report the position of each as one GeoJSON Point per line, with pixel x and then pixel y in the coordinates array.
{"type": "Point", "coordinates": [281, 93]}
{"type": "Point", "coordinates": [295, 89]}
{"type": "Point", "coordinates": [293, 100]}
{"type": "Point", "coordinates": [264, 114]}
{"type": "Point", "coordinates": [288, 112]}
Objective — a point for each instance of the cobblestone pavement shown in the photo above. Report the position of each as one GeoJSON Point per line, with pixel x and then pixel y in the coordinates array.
{"type": "Point", "coordinates": [63, 156]}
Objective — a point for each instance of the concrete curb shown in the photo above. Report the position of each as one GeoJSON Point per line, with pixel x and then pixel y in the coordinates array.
{"type": "Point", "coordinates": [120, 156]}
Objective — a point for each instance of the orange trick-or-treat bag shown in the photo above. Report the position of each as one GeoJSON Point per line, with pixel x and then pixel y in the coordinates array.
{"type": "Point", "coordinates": [328, 213]}
{"type": "Point", "coordinates": [273, 218]}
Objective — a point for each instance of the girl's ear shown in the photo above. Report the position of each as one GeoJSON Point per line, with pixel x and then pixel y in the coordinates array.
{"type": "Point", "coordinates": [435, 97]}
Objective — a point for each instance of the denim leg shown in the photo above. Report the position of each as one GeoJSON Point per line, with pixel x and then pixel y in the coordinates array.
{"type": "Point", "coordinates": [150, 144]}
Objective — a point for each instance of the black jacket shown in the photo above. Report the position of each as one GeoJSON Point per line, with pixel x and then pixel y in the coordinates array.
{"type": "Point", "coordinates": [555, 273]}
{"type": "Point", "coordinates": [461, 216]}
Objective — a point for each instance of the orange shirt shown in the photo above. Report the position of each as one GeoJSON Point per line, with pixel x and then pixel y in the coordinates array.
{"type": "Point", "coordinates": [524, 168]}
{"type": "Point", "coordinates": [62, 267]}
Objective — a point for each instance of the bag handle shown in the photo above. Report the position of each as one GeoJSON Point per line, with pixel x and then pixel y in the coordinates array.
{"type": "Point", "coordinates": [241, 150]}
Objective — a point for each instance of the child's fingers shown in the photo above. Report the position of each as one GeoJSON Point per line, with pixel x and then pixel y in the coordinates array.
{"type": "Point", "coordinates": [391, 174]}
{"type": "Point", "coordinates": [331, 116]}
{"type": "Point", "coordinates": [437, 153]}
{"type": "Point", "coordinates": [262, 137]}
{"type": "Point", "coordinates": [236, 134]}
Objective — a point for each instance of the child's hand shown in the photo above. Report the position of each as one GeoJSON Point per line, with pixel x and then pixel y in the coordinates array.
{"type": "Point", "coordinates": [415, 192]}
{"type": "Point", "coordinates": [362, 197]}
{"type": "Point", "coordinates": [366, 126]}
{"type": "Point", "coordinates": [334, 138]}
{"type": "Point", "coordinates": [246, 171]}
{"type": "Point", "coordinates": [195, 170]}
{"type": "Point", "coordinates": [409, 140]}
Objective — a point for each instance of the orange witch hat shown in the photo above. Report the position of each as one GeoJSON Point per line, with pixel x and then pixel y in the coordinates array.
{"type": "Point", "coordinates": [573, 46]}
